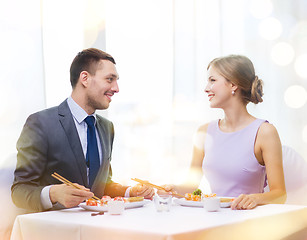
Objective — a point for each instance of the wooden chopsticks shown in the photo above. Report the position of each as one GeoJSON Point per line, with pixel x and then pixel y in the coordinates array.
{"type": "Point", "coordinates": [156, 186]}
{"type": "Point", "coordinates": [67, 182]}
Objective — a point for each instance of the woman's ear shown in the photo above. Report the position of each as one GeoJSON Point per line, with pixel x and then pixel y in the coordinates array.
{"type": "Point", "coordinates": [234, 87]}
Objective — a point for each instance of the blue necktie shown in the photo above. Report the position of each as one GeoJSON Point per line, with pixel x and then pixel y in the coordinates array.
{"type": "Point", "coordinates": [92, 154]}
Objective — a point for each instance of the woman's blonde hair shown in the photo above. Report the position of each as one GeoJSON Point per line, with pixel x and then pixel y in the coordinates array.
{"type": "Point", "coordinates": [240, 71]}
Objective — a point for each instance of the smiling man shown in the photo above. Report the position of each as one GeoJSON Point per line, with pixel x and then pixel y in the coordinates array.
{"type": "Point", "coordinates": [72, 140]}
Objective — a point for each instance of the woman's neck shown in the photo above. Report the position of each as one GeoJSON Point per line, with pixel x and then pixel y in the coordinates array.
{"type": "Point", "coordinates": [235, 119]}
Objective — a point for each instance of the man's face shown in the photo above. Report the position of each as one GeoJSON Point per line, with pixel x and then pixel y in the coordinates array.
{"type": "Point", "coordinates": [102, 86]}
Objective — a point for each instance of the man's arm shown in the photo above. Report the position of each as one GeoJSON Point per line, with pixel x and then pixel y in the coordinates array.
{"type": "Point", "coordinates": [31, 161]}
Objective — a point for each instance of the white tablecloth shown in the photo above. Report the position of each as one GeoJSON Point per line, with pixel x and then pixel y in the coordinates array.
{"type": "Point", "coordinates": [179, 223]}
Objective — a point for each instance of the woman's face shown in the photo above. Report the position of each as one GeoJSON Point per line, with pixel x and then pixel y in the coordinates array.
{"type": "Point", "coordinates": [219, 90]}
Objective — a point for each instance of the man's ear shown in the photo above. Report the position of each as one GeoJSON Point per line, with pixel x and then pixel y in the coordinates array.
{"type": "Point", "coordinates": [83, 78]}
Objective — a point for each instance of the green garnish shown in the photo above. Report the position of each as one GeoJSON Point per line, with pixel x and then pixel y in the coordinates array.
{"type": "Point", "coordinates": [197, 192]}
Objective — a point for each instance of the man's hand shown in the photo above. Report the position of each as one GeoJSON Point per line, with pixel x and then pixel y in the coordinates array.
{"type": "Point", "coordinates": [69, 196]}
{"type": "Point", "coordinates": [142, 190]}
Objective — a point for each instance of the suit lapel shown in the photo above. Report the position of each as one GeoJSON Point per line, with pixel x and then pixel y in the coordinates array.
{"type": "Point", "coordinates": [103, 174]}
{"type": "Point", "coordinates": [102, 131]}
{"type": "Point", "coordinates": [67, 121]}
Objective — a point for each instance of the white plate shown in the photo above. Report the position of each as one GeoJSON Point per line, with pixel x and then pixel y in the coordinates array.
{"type": "Point", "coordinates": [187, 203]}
{"type": "Point", "coordinates": [105, 208]}
{"type": "Point", "coordinates": [226, 204]}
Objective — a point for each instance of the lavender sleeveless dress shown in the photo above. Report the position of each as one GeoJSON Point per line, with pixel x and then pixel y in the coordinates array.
{"type": "Point", "coordinates": [230, 165]}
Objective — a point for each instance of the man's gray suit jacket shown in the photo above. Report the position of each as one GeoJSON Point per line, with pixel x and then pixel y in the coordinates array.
{"type": "Point", "coordinates": [49, 142]}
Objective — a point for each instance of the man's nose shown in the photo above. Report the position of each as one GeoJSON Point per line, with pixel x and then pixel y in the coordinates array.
{"type": "Point", "coordinates": [115, 87]}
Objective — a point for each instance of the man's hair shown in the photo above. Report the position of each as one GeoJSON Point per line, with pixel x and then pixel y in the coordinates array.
{"type": "Point", "coordinates": [87, 60]}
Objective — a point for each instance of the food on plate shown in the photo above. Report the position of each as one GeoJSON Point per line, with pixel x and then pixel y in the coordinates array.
{"type": "Point", "coordinates": [135, 199]}
{"type": "Point", "coordinates": [105, 199]}
{"type": "Point", "coordinates": [192, 197]}
{"type": "Point", "coordinates": [195, 196]}
{"type": "Point", "coordinates": [197, 192]}
{"type": "Point", "coordinates": [209, 195]}
{"type": "Point", "coordinates": [226, 199]}
{"type": "Point", "coordinates": [92, 202]}
{"type": "Point", "coordinates": [119, 199]}
{"type": "Point", "coordinates": [193, 200]}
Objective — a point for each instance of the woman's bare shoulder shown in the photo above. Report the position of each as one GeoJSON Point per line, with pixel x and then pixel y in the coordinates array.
{"type": "Point", "coordinates": [268, 135]}
{"type": "Point", "coordinates": [200, 137]}
{"type": "Point", "coordinates": [267, 129]}
{"type": "Point", "coordinates": [203, 128]}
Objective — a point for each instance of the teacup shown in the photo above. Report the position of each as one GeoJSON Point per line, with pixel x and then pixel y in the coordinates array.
{"type": "Point", "coordinates": [163, 203]}
{"type": "Point", "coordinates": [211, 204]}
{"type": "Point", "coordinates": [116, 207]}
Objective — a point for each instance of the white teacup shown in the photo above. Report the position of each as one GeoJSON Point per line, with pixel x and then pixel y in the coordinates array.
{"type": "Point", "coordinates": [211, 204]}
{"type": "Point", "coordinates": [163, 203]}
{"type": "Point", "coordinates": [116, 207]}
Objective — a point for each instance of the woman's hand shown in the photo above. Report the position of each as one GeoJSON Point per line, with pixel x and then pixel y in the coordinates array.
{"type": "Point", "coordinates": [244, 202]}
{"type": "Point", "coordinates": [142, 190]}
{"type": "Point", "coordinates": [169, 189]}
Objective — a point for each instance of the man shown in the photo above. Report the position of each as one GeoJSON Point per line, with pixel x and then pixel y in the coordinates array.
{"type": "Point", "coordinates": [73, 141]}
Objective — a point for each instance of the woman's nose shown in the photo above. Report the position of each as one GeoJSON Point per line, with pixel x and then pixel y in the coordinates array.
{"type": "Point", "coordinates": [207, 88]}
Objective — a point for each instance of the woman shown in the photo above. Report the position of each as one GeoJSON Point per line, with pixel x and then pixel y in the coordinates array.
{"type": "Point", "coordinates": [237, 153]}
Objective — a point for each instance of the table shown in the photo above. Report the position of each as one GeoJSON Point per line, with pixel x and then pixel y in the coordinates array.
{"type": "Point", "coordinates": [269, 222]}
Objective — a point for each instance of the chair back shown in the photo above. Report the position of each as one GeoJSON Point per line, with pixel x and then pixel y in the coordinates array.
{"type": "Point", "coordinates": [295, 172]}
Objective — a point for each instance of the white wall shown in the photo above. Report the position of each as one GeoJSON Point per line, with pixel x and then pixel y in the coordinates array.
{"type": "Point", "coordinates": [162, 48]}
{"type": "Point", "coordinates": [22, 69]}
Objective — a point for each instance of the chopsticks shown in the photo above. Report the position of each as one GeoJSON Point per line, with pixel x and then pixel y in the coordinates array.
{"type": "Point", "coordinates": [155, 186]}
{"type": "Point", "coordinates": [67, 182]}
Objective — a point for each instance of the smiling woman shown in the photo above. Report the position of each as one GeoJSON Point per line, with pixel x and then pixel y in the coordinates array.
{"type": "Point", "coordinates": [238, 152]}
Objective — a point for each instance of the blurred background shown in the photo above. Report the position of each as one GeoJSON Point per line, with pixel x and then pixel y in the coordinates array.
{"type": "Point", "coordinates": [162, 49]}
